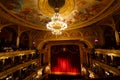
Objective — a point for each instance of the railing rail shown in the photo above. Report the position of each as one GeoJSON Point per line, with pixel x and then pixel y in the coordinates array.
{"type": "Point", "coordinates": [15, 53]}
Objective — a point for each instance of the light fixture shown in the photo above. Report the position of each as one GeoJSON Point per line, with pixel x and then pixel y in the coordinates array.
{"type": "Point", "coordinates": [56, 25]}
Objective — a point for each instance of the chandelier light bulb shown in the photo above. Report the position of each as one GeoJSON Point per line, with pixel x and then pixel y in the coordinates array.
{"type": "Point", "coordinates": [56, 25]}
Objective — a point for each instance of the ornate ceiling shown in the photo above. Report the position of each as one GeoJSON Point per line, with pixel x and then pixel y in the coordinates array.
{"type": "Point", "coordinates": [76, 13]}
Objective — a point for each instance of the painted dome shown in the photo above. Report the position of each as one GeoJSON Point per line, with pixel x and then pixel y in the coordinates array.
{"type": "Point", "coordinates": [74, 12]}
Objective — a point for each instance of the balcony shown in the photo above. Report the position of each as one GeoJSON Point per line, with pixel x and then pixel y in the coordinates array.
{"type": "Point", "coordinates": [106, 61]}
{"type": "Point", "coordinates": [18, 64]}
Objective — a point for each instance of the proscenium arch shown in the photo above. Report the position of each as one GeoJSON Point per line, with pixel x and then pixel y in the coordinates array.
{"type": "Point", "coordinates": [41, 44]}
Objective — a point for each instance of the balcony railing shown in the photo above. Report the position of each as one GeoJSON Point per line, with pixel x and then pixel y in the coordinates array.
{"type": "Point", "coordinates": [10, 62]}
{"type": "Point", "coordinates": [107, 60]}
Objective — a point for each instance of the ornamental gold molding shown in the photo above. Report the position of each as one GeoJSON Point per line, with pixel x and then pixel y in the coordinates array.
{"type": "Point", "coordinates": [3, 55]}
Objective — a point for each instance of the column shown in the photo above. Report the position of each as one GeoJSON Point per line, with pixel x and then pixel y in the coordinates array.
{"type": "Point", "coordinates": [117, 37]}
{"type": "Point", "coordinates": [18, 41]}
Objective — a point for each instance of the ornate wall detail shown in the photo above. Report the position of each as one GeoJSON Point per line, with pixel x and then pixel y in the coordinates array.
{"type": "Point", "coordinates": [55, 37]}
{"type": "Point", "coordinates": [109, 21]}
{"type": "Point", "coordinates": [65, 35]}
{"type": "Point", "coordinates": [75, 33]}
{"type": "Point", "coordinates": [90, 33]}
{"type": "Point", "coordinates": [4, 23]}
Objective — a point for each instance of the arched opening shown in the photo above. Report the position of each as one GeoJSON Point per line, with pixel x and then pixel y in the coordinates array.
{"type": "Point", "coordinates": [8, 38]}
{"type": "Point", "coordinates": [109, 37]}
{"type": "Point", "coordinates": [24, 41]}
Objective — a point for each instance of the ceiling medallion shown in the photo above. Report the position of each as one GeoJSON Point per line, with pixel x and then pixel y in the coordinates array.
{"type": "Point", "coordinates": [47, 7]}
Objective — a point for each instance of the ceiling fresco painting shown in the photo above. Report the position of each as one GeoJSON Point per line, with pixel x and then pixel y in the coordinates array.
{"type": "Point", "coordinates": [73, 11]}
{"type": "Point", "coordinates": [13, 5]}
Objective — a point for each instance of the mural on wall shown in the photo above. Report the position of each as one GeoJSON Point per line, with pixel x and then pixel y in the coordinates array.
{"type": "Point", "coordinates": [29, 10]}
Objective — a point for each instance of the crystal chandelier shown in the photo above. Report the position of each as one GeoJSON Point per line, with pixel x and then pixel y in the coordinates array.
{"type": "Point", "coordinates": [56, 25]}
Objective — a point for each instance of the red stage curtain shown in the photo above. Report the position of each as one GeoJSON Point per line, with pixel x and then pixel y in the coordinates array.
{"type": "Point", "coordinates": [65, 62]}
